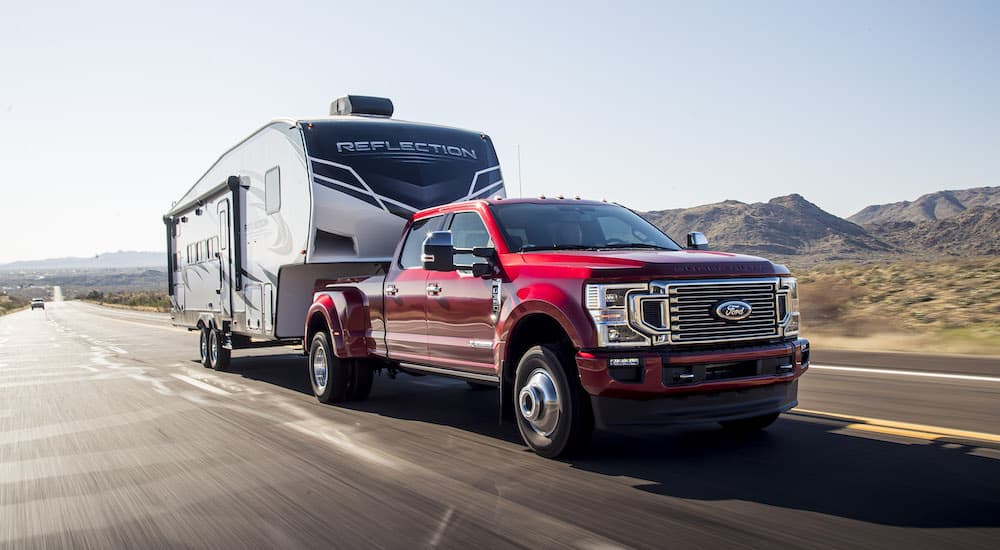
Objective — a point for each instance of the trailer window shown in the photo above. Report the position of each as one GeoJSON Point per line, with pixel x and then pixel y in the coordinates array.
{"type": "Point", "coordinates": [413, 246]}
{"type": "Point", "coordinates": [272, 190]}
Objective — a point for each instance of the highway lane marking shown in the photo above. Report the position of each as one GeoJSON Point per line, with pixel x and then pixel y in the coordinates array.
{"type": "Point", "coordinates": [893, 427]}
{"type": "Point", "coordinates": [32, 374]}
{"type": "Point", "coordinates": [971, 377]}
{"type": "Point", "coordinates": [200, 384]}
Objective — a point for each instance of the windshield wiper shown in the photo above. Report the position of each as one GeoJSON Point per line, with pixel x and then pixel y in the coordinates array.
{"type": "Point", "coordinates": [636, 245]}
{"type": "Point", "coordinates": [532, 248]}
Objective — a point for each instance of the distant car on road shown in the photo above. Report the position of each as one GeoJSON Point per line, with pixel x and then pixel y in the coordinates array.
{"type": "Point", "coordinates": [37, 303]}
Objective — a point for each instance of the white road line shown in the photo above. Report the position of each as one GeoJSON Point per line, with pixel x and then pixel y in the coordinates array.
{"type": "Point", "coordinates": [908, 373]}
{"type": "Point", "coordinates": [200, 384]}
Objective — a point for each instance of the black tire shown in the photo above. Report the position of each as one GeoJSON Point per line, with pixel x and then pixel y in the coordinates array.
{"type": "Point", "coordinates": [362, 375]}
{"type": "Point", "coordinates": [337, 371]}
{"type": "Point", "coordinates": [203, 337]}
{"type": "Point", "coordinates": [218, 356]}
{"type": "Point", "coordinates": [570, 430]}
{"type": "Point", "coordinates": [750, 425]}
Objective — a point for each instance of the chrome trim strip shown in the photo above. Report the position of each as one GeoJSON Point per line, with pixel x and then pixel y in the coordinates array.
{"type": "Point", "coordinates": [450, 372]}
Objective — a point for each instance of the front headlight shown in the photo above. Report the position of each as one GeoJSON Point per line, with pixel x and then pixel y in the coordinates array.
{"type": "Point", "coordinates": [788, 305]}
{"type": "Point", "coordinates": [607, 305]}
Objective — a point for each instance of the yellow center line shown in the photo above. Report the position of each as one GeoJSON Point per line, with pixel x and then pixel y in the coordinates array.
{"type": "Point", "coordinates": [920, 431]}
{"type": "Point", "coordinates": [894, 431]}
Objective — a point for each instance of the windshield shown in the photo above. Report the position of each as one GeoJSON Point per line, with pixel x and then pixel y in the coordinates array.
{"type": "Point", "coordinates": [568, 226]}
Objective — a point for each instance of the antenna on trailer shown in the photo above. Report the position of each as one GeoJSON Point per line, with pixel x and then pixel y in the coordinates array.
{"type": "Point", "coordinates": [520, 188]}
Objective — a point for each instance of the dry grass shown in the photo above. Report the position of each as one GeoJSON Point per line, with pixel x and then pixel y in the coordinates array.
{"type": "Point", "coordinates": [947, 306]}
{"type": "Point", "coordinates": [10, 304]}
{"type": "Point", "coordinates": [144, 300]}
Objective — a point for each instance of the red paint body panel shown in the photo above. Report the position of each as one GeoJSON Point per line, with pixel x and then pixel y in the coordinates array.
{"type": "Point", "coordinates": [454, 329]}
{"type": "Point", "coordinates": [346, 312]}
{"type": "Point", "coordinates": [596, 379]}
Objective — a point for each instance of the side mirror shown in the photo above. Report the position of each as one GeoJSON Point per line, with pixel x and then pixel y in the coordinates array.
{"type": "Point", "coordinates": [482, 270]}
{"type": "Point", "coordinates": [439, 252]}
{"type": "Point", "coordinates": [697, 241]}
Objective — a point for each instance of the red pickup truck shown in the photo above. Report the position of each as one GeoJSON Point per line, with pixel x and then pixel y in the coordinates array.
{"type": "Point", "coordinates": [581, 313]}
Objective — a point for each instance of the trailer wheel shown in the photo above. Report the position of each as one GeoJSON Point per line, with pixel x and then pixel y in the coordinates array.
{"type": "Point", "coordinates": [748, 425]}
{"type": "Point", "coordinates": [552, 410]}
{"type": "Point", "coordinates": [203, 338]}
{"type": "Point", "coordinates": [328, 375]}
{"type": "Point", "coordinates": [218, 356]}
{"type": "Point", "coordinates": [361, 378]}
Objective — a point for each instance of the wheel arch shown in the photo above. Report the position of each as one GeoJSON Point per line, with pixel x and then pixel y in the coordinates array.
{"type": "Point", "coordinates": [343, 313]}
{"type": "Point", "coordinates": [532, 329]}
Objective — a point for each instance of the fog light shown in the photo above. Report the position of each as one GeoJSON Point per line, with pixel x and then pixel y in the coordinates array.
{"type": "Point", "coordinates": [622, 333]}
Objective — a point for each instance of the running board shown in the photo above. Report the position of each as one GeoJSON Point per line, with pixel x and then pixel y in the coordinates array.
{"type": "Point", "coordinates": [450, 373]}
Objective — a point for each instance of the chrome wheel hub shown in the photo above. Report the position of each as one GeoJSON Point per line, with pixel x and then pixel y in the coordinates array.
{"type": "Point", "coordinates": [204, 344]}
{"type": "Point", "coordinates": [538, 402]}
{"type": "Point", "coordinates": [319, 370]}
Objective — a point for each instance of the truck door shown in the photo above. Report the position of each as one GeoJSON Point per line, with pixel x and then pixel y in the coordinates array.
{"type": "Point", "coordinates": [225, 262]}
{"type": "Point", "coordinates": [459, 328]}
{"type": "Point", "coordinates": [405, 294]}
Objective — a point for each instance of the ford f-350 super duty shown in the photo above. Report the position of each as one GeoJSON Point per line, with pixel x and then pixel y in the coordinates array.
{"type": "Point", "coordinates": [581, 313]}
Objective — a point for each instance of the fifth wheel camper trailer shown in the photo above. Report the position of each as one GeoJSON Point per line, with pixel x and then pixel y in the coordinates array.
{"type": "Point", "coordinates": [303, 201]}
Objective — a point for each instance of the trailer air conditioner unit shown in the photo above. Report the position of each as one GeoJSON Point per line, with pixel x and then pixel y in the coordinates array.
{"type": "Point", "coordinates": [361, 105]}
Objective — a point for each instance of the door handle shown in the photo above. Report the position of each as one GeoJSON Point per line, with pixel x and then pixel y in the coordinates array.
{"type": "Point", "coordinates": [391, 290]}
{"type": "Point", "coordinates": [433, 289]}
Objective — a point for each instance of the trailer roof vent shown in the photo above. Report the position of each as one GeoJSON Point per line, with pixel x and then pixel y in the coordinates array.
{"type": "Point", "coordinates": [361, 105]}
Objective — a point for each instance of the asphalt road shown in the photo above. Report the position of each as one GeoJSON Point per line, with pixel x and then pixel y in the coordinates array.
{"type": "Point", "coordinates": [113, 436]}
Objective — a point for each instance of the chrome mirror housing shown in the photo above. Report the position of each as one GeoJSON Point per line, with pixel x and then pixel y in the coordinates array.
{"type": "Point", "coordinates": [697, 241]}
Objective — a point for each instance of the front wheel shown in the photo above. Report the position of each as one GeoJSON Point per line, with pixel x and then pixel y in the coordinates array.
{"type": "Point", "coordinates": [328, 375]}
{"type": "Point", "coordinates": [552, 409]}
{"type": "Point", "coordinates": [748, 425]}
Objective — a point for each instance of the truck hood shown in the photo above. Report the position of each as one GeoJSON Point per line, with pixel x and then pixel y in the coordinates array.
{"type": "Point", "coordinates": [630, 264]}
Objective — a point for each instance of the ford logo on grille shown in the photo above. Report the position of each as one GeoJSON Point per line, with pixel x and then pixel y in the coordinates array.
{"type": "Point", "coordinates": [733, 311]}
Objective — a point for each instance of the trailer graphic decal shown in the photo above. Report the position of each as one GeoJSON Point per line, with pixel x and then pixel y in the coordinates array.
{"type": "Point", "coordinates": [430, 149]}
{"type": "Point", "coordinates": [346, 179]}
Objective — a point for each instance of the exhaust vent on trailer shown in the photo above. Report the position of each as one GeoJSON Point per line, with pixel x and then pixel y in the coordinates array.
{"type": "Point", "coordinates": [361, 105]}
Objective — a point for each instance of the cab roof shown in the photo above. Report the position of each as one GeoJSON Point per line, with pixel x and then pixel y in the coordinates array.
{"type": "Point", "coordinates": [480, 204]}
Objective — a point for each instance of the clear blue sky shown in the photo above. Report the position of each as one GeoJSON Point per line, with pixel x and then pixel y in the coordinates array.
{"type": "Point", "coordinates": [109, 111]}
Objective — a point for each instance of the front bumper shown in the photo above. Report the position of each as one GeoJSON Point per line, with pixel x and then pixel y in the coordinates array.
{"type": "Point", "coordinates": [671, 386]}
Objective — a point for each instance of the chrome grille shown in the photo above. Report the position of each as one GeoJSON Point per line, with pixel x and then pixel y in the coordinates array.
{"type": "Point", "coordinates": [692, 320]}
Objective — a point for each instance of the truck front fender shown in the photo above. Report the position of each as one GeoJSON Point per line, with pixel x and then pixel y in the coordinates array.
{"type": "Point", "coordinates": [348, 321]}
{"type": "Point", "coordinates": [552, 301]}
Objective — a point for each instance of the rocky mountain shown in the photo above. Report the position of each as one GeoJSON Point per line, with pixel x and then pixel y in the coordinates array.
{"type": "Point", "coordinates": [110, 260]}
{"type": "Point", "coordinates": [973, 232]}
{"type": "Point", "coordinates": [783, 226]}
{"type": "Point", "coordinates": [933, 206]}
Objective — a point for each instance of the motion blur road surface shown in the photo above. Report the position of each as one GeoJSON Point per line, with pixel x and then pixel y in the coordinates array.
{"type": "Point", "coordinates": [113, 435]}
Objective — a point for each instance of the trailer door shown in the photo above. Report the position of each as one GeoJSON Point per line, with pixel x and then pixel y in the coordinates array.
{"type": "Point", "coordinates": [225, 262]}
